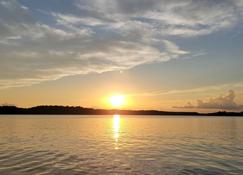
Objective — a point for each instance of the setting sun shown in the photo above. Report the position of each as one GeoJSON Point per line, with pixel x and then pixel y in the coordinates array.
{"type": "Point", "coordinates": [117, 100]}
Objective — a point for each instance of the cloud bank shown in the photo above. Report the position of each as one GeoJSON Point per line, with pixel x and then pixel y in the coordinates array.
{"type": "Point", "coordinates": [101, 35]}
{"type": "Point", "coordinates": [223, 102]}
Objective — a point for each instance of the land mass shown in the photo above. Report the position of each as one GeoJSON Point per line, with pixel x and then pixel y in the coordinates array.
{"type": "Point", "coordinates": [77, 110]}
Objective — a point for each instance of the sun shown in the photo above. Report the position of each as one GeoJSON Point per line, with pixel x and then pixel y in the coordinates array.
{"type": "Point", "coordinates": [117, 100]}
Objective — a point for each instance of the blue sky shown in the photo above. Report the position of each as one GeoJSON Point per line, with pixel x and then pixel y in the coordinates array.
{"type": "Point", "coordinates": [142, 48]}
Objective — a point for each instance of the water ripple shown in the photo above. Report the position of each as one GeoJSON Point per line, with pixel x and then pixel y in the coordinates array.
{"type": "Point", "coordinates": [168, 146]}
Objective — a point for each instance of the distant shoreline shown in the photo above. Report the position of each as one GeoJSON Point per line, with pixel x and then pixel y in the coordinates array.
{"type": "Point", "coordinates": [77, 110]}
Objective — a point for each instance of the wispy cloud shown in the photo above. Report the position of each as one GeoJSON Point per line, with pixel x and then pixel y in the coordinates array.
{"type": "Point", "coordinates": [203, 89]}
{"type": "Point", "coordinates": [175, 17]}
{"type": "Point", "coordinates": [101, 35]}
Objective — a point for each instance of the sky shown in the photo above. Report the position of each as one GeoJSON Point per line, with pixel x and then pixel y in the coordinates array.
{"type": "Point", "coordinates": [177, 55]}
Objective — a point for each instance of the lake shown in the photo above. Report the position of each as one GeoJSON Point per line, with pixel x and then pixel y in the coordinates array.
{"type": "Point", "coordinates": [120, 145]}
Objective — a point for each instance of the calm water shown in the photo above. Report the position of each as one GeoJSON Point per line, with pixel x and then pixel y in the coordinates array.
{"type": "Point", "coordinates": [120, 145]}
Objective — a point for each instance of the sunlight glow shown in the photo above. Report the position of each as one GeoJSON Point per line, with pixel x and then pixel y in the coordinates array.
{"type": "Point", "coordinates": [117, 100]}
{"type": "Point", "coordinates": [116, 128]}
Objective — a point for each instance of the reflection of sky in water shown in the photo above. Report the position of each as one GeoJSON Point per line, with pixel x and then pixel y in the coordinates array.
{"type": "Point", "coordinates": [120, 145]}
{"type": "Point", "coordinates": [116, 129]}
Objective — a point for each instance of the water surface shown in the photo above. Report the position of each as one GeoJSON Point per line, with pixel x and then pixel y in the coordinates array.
{"type": "Point", "coordinates": [120, 145]}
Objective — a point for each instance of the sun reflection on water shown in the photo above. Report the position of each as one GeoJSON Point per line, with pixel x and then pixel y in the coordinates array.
{"type": "Point", "coordinates": [116, 129]}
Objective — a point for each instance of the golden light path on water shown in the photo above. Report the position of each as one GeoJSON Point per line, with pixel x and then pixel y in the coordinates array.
{"type": "Point", "coordinates": [118, 144]}
{"type": "Point", "coordinates": [116, 129]}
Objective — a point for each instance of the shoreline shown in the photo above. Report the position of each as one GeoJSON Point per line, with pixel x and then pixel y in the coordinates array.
{"type": "Point", "coordinates": [77, 110]}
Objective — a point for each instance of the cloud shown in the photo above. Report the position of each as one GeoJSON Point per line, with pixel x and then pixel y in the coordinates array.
{"type": "Point", "coordinates": [101, 35]}
{"type": "Point", "coordinates": [69, 19]}
{"type": "Point", "coordinates": [21, 68]}
{"type": "Point", "coordinates": [34, 52]}
{"type": "Point", "coordinates": [175, 17]}
{"type": "Point", "coordinates": [223, 102]}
